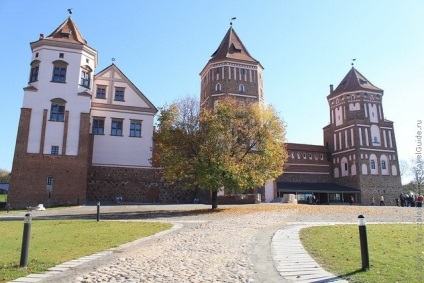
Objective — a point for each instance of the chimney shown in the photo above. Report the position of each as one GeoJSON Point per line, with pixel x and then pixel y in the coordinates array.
{"type": "Point", "coordinates": [331, 89]}
{"type": "Point", "coordinates": [41, 36]}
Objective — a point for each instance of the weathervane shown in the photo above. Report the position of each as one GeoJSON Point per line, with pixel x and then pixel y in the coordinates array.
{"type": "Point", "coordinates": [70, 11]}
{"type": "Point", "coordinates": [353, 60]}
{"type": "Point", "coordinates": [231, 21]}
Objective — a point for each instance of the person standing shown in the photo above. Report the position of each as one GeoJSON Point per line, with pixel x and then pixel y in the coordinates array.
{"type": "Point", "coordinates": [352, 200]}
{"type": "Point", "coordinates": [382, 201]}
{"type": "Point", "coordinates": [420, 199]}
{"type": "Point", "coordinates": [372, 201]}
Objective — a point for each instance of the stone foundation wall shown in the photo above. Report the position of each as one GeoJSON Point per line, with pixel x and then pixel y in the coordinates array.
{"type": "Point", "coordinates": [376, 186]}
{"type": "Point", "coordinates": [134, 185]}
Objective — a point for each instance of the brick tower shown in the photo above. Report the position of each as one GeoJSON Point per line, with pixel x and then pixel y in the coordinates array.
{"type": "Point", "coordinates": [53, 142]}
{"type": "Point", "coordinates": [361, 141]}
{"type": "Point", "coordinates": [231, 72]}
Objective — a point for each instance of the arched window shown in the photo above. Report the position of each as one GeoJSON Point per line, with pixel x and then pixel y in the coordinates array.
{"type": "Point", "coordinates": [383, 165]}
{"type": "Point", "coordinates": [218, 87]}
{"type": "Point", "coordinates": [57, 110]}
{"type": "Point", "coordinates": [33, 77]}
{"type": "Point", "coordinates": [241, 88]}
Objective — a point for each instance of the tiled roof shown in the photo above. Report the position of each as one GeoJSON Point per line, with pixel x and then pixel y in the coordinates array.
{"type": "Point", "coordinates": [67, 32]}
{"type": "Point", "coordinates": [231, 47]}
{"type": "Point", "coordinates": [306, 147]}
{"type": "Point", "coordinates": [355, 81]}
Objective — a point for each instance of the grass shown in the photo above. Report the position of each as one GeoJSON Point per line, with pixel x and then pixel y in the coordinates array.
{"type": "Point", "coordinates": [55, 241]}
{"type": "Point", "coordinates": [396, 251]}
{"type": "Point", "coordinates": [3, 197]}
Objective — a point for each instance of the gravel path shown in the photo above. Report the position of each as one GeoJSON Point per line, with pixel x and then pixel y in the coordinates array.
{"type": "Point", "coordinates": [231, 245]}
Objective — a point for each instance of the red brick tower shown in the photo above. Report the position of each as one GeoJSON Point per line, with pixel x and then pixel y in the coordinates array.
{"type": "Point", "coordinates": [231, 71]}
{"type": "Point", "coordinates": [361, 140]}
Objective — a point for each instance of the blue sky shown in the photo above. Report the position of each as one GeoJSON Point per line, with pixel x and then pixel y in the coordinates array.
{"type": "Point", "coordinates": [304, 47]}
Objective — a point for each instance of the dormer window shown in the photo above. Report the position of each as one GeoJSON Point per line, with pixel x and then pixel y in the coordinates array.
{"type": "Point", "coordinates": [65, 32]}
{"type": "Point", "coordinates": [33, 77]}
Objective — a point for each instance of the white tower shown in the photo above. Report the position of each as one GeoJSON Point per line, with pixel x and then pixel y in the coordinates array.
{"type": "Point", "coordinates": [53, 142]}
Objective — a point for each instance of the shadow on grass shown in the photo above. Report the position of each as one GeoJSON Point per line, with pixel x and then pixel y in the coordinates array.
{"type": "Point", "coordinates": [127, 215]}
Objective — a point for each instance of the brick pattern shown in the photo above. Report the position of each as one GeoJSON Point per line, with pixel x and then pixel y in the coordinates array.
{"type": "Point", "coordinates": [28, 184]}
{"type": "Point", "coordinates": [134, 185]}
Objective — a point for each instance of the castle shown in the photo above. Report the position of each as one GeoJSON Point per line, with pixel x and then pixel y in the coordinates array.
{"type": "Point", "coordinates": [84, 137]}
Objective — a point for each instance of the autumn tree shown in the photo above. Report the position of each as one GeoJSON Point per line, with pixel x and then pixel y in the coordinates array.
{"type": "Point", "coordinates": [4, 176]}
{"type": "Point", "coordinates": [233, 146]}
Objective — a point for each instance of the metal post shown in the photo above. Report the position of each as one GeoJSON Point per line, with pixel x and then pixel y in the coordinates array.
{"type": "Point", "coordinates": [98, 211]}
{"type": "Point", "coordinates": [25, 240]}
{"type": "Point", "coordinates": [364, 243]}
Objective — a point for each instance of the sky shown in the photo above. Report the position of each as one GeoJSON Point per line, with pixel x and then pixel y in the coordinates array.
{"type": "Point", "coordinates": [304, 46]}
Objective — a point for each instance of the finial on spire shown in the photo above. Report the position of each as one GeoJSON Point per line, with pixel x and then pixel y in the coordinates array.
{"type": "Point", "coordinates": [70, 11]}
{"type": "Point", "coordinates": [231, 21]}
{"type": "Point", "coordinates": [353, 60]}
{"type": "Point", "coordinates": [113, 60]}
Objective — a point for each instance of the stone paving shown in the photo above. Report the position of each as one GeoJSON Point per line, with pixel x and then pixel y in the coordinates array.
{"type": "Point", "coordinates": [247, 244]}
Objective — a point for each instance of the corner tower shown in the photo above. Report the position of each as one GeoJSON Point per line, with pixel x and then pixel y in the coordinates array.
{"type": "Point", "coordinates": [231, 71]}
{"type": "Point", "coordinates": [53, 143]}
{"type": "Point", "coordinates": [361, 141]}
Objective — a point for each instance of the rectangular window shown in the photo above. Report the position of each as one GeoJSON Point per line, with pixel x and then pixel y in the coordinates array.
{"type": "Point", "coordinates": [34, 74]}
{"type": "Point", "coordinates": [101, 92]}
{"type": "Point", "coordinates": [85, 79]}
{"type": "Point", "coordinates": [135, 128]}
{"type": "Point", "coordinates": [116, 129]}
{"type": "Point", "coordinates": [57, 113]}
{"type": "Point", "coordinates": [98, 126]}
{"type": "Point", "coordinates": [119, 94]}
{"type": "Point", "coordinates": [59, 74]}
{"type": "Point", "coordinates": [49, 181]}
{"type": "Point", "coordinates": [55, 150]}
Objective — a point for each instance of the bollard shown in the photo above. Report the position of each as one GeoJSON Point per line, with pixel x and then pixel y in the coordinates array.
{"type": "Point", "coordinates": [25, 240]}
{"type": "Point", "coordinates": [364, 243]}
{"type": "Point", "coordinates": [98, 211]}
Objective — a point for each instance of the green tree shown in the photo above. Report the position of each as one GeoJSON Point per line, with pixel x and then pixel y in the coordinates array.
{"type": "Point", "coordinates": [4, 176]}
{"type": "Point", "coordinates": [234, 146]}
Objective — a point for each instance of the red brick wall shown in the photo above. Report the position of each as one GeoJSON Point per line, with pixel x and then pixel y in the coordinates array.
{"type": "Point", "coordinates": [28, 184]}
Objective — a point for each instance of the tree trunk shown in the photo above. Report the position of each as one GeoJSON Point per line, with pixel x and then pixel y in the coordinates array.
{"type": "Point", "coordinates": [214, 199]}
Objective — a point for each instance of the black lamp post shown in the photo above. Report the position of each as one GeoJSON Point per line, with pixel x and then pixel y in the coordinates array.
{"type": "Point", "coordinates": [25, 240]}
{"type": "Point", "coordinates": [364, 243]}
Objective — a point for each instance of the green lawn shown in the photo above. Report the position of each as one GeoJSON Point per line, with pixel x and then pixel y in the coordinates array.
{"type": "Point", "coordinates": [3, 197]}
{"type": "Point", "coordinates": [56, 241]}
{"type": "Point", "coordinates": [396, 251]}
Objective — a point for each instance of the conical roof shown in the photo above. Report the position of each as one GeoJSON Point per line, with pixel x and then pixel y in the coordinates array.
{"type": "Point", "coordinates": [231, 47]}
{"type": "Point", "coordinates": [67, 32]}
{"type": "Point", "coordinates": [355, 81]}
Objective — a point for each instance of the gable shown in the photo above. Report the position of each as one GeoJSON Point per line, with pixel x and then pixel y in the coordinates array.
{"type": "Point", "coordinates": [114, 80]}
